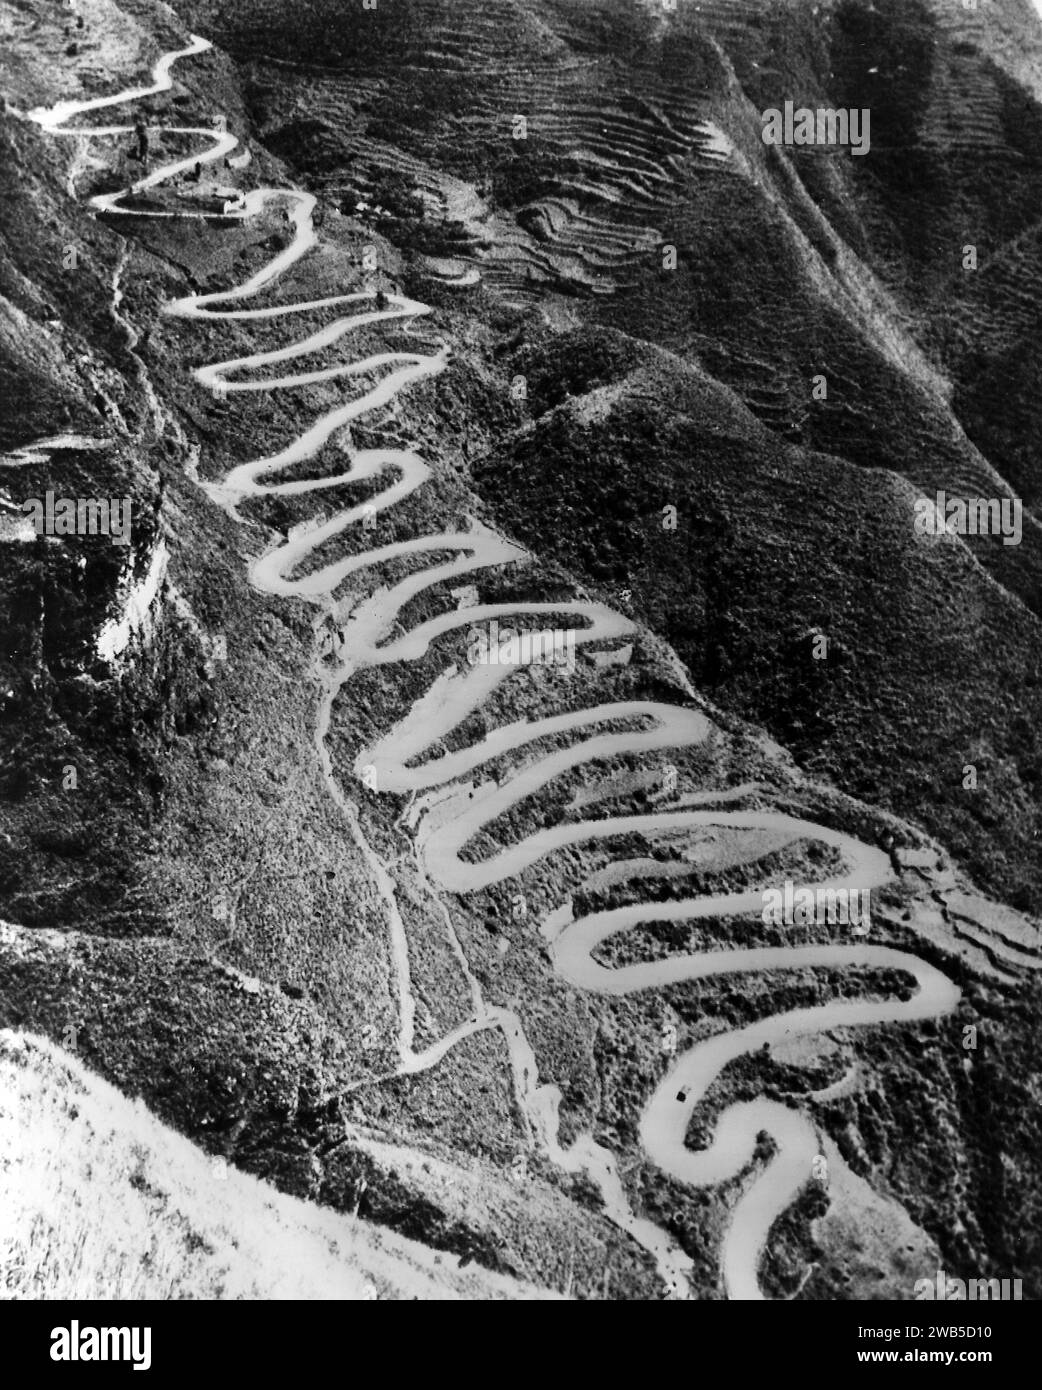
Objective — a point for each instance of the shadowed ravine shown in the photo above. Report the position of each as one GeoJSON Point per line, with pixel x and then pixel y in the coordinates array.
{"type": "Point", "coordinates": [447, 809]}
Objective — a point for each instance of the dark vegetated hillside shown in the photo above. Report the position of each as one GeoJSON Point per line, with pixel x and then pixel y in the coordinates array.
{"type": "Point", "coordinates": [955, 162]}
{"type": "Point", "coordinates": [746, 300]}
{"type": "Point", "coordinates": [188, 914]}
{"type": "Point", "coordinates": [221, 947]}
{"type": "Point", "coordinates": [369, 39]}
{"type": "Point", "coordinates": [931, 666]}
{"type": "Point", "coordinates": [749, 305]}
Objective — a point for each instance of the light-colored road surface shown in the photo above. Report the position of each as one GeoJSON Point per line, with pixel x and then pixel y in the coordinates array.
{"type": "Point", "coordinates": [450, 805]}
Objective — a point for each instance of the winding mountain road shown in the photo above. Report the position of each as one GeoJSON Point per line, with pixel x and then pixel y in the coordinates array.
{"type": "Point", "coordinates": [449, 805]}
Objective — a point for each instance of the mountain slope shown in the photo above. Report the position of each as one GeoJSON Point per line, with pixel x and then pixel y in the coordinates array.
{"type": "Point", "coordinates": [101, 1201]}
{"type": "Point", "coordinates": [334, 901]}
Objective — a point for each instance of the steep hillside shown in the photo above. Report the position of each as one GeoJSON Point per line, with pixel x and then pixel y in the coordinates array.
{"type": "Point", "coordinates": [827, 294]}
{"type": "Point", "coordinates": [476, 952]}
{"type": "Point", "coordinates": [102, 1201]}
{"type": "Point", "coordinates": [774, 543]}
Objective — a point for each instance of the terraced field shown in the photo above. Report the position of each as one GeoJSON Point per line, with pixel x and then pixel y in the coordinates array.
{"type": "Point", "coordinates": [613, 154]}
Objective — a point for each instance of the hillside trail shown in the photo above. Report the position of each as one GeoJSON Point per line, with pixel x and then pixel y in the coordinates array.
{"type": "Point", "coordinates": [447, 803]}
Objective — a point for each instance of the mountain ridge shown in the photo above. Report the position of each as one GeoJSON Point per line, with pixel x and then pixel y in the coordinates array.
{"type": "Point", "coordinates": [186, 519]}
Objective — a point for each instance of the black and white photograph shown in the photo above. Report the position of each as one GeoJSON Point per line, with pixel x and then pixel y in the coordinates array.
{"type": "Point", "coordinates": [520, 691]}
